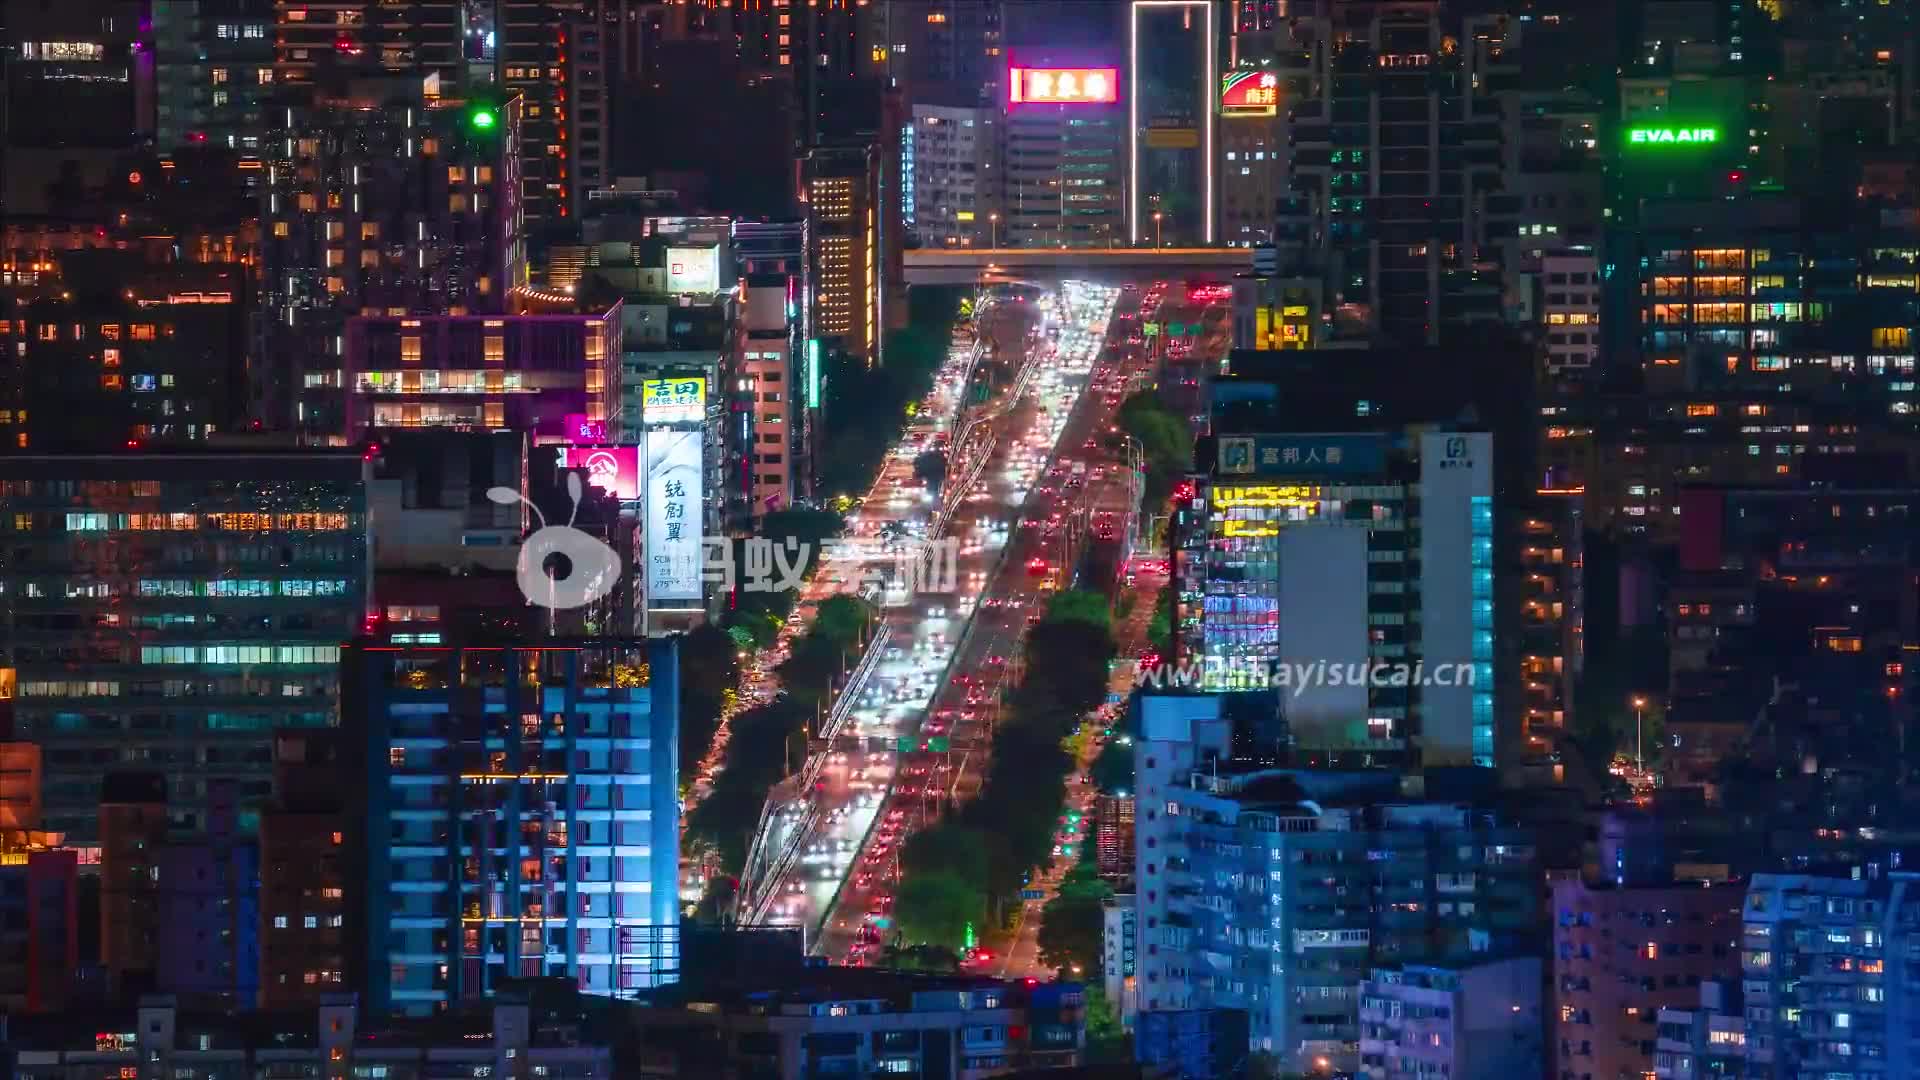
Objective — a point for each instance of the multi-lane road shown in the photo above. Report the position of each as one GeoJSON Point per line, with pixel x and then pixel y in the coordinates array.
{"type": "Point", "coordinates": [820, 830]}
{"type": "Point", "coordinates": [1037, 473]}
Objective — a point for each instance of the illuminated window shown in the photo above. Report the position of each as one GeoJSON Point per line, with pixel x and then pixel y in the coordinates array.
{"type": "Point", "coordinates": [456, 175]}
{"type": "Point", "coordinates": [1891, 337]}
{"type": "Point", "coordinates": [410, 349]}
{"type": "Point", "coordinates": [306, 201]}
{"type": "Point", "coordinates": [141, 331]}
{"type": "Point", "coordinates": [280, 229]}
{"type": "Point", "coordinates": [110, 357]}
{"type": "Point", "coordinates": [494, 349]}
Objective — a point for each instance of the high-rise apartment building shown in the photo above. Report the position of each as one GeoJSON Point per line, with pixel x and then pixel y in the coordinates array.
{"type": "Point", "coordinates": [522, 816]}
{"type": "Point", "coordinates": [1395, 147]}
{"type": "Point", "coordinates": [1461, 1019]}
{"type": "Point", "coordinates": [168, 612]}
{"type": "Point", "coordinates": [1341, 875]}
{"type": "Point", "coordinates": [1624, 952]}
{"type": "Point", "coordinates": [312, 907]}
{"type": "Point", "coordinates": [1299, 551]}
{"type": "Point", "coordinates": [381, 198]}
{"type": "Point", "coordinates": [213, 73]}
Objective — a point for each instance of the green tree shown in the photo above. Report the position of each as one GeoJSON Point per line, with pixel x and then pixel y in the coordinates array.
{"type": "Point", "coordinates": [1112, 771]}
{"type": "Point", "coordinates": [935, 908]}
{"type": "Point", "coordinates": [1108, 1043]}
{"type": "Point", "coordinates": [709, 668]}
{"type": "Point", "coordinates": [1081, 606]}
{"type": "Point", "coordinates": [842, 620]}
{"type": "Point", "coordinates": [1166, 443]}
{"type": "Point", "coordinates": [1073, 924]}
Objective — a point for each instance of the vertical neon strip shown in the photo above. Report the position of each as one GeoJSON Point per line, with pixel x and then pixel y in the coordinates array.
{"type": "Point", "coordinates": [1207, 90]}
{"type": "Point", "coordinates": [1133, 124]}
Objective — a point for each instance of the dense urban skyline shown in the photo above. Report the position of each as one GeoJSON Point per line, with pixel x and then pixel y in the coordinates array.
{"type": "Point", "coordinates": [1151, 538]}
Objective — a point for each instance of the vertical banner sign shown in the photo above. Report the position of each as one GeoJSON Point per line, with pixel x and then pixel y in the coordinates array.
{"type": "Point", "coordinates": [674, 494]}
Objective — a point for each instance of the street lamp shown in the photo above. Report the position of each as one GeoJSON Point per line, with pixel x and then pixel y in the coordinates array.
{"type": "Point", "coordinates": [993, 230]}
{"type": "Point", "coordinates": [1639, 709]}
{"type": "Point", "coordinates": [1157, 242]}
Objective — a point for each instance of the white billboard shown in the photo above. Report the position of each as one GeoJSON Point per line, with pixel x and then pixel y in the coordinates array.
{"type": "Point", "coordinates": [693, 269]}
{"type": "Point", "coordinates": [673, 541]}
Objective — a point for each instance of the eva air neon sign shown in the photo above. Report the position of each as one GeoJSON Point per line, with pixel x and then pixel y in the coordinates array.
{"type": "Point", "coordinates": [1673, 136]}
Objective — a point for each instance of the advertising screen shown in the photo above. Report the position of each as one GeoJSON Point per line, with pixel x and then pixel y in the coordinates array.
{"type": "Point", "coordinates": [610, 468]}
{"type": "Point", "coordinates": [1063, 86]}
{"type": "Point", "coordinates": [693, 269]}
{"type": "Point", "coordinates": [581, 430]}
{"type": "Point", "coordinates": [673, 401]}
{"type": "Point", "coordinates": [1250, 93]}
{"type": "Point", "coordinates": [673, 537]}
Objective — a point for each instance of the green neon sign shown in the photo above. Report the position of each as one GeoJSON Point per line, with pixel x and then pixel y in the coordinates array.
{"type": "Point", "coordinates": [482, 119]}
{"type": "Point", "coordinates": [1665, 136]}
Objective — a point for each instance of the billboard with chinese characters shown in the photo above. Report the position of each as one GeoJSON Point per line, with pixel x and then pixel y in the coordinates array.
{"type": "Point", "coordinates": [673, 540]}
{"type": "Point", "coordinates": [693, 269]}
{"type": "Point", "coordinates": [1250, 93]}
{"type": "Point", "coordinates": [673, 401]}
{"type": "Point", "coordinates": [1063, 86]}
{"type": "Point", "coordinates": [582, 431]}
{"type": "Point", "coordinates": [1318, 455]}
{"type": "Point", "coordinates": [614, 469]}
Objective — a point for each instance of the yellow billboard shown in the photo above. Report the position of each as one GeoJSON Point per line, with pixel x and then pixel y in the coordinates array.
{"type": "Point", "coordinates": [673, 401]}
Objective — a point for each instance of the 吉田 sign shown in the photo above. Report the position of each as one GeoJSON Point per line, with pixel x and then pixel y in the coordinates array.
{"type": "Point", "coordinates": [673, 401]}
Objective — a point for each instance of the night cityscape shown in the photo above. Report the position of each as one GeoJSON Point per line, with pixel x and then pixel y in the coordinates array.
{"type": "Point", "coordinates": [948, 539]}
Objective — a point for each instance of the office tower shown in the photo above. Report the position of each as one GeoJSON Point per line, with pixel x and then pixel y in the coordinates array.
{"type": "Point", "coordinates": [382, 198]}
{"type": "Point", "coordinates": [1569, 284]}
{"type": "Point", "coordinates": [1552, 628]}
{"type": "Point", "coordinates": [1340, 870]}
{"type": "Point", "coordinates": [1252, 149]}
{"type": "Point", "coordinates": [39, 923]}
{"type": "Point", "coordinates": [518, 372]}
{"type": "Point", "coordinates": [126, 354]}
{"type": "Point", "coordinates": [1173, 64]}
{"type": "Point", "coordinates": [947, 52]}
{"type": "Point", "coordinates": [312, 909]}
{"type": "Point", "coordinates": [204, 595]}
{"type": "Point", "coordinates": [1395, 149]}
{"type": "Point", "coordinates": [1296, 552]}
{"type": "Point", "coordinates": [1461, 1019]}
{"type": "Point", "coordinates": [178, 905]}
{"type": "Point", "coordinates": [952, 157]}
{"type": "Point", "coordinates": [78, 78]}
{"type": "Point", "coordinates": [550, 53]}
{"type": "Point", "coordinates": [535, 1029]}
{"type": "Point", "coordinates": [522, 816]}
{"type": "Point", "coordinates": [773, 364]}
{"type": "Point", "coordinates": [843, 206]}
{"type": "Point", "coordinates": [766, 250]}
{"type": "Point", "coordinates": [213, 73]}
{"type": "Point", "coordinates": [1279, 313]}
{"type": "Point", "coordinates": [1065, 151]}
{"type": "Point", "coordinates": [1622, 952]}
{"type": "Point", "coordinates": [418, 38]}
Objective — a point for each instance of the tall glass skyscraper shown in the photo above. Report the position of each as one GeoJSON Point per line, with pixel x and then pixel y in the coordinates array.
{"type": "Point", "coordinates": [522, 816]}
{"type": "Point", "coordinates": [166, 612]}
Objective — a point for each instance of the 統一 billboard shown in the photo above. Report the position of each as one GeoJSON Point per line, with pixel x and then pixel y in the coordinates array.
{"type": "Point", "coordinates": [673, 537]}
{"type": "Point", "coordinates": [614, 469]}
{"type": "Point", "coordinates": [693, 269]}
{"type": "Point", "coordinates": [673, 401]}
{"type": "Point", "coordinates": [1063, 86]}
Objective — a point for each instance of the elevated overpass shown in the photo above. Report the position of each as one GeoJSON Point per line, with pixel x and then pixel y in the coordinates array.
{"type": "Point", "coordinates": [960, 266]}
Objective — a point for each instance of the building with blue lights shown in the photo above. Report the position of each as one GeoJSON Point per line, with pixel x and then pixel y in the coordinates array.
{"type": "Point", "coordinates": [522, 817]}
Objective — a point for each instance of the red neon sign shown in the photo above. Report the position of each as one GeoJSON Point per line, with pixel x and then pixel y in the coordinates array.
{"type": "Point", "coordinates": [1063, 86]}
